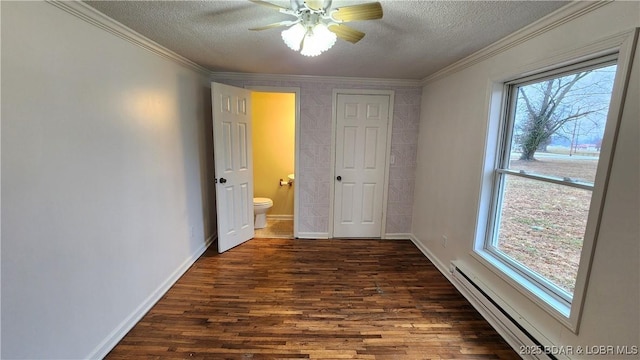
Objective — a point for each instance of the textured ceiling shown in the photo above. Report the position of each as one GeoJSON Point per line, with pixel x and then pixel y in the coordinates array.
{"type": "Point", "coordinates": [413, 40]}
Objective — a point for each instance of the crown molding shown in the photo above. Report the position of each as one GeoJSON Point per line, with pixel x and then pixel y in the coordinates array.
{"type": "Point", "coordinates": [216, 76]}
{"type": "Point", "coordinates": [553, 20]}
{"type": "Point", "coordinates": [557, 18]}
{"type": "Point", "coordinates": [100, 20]}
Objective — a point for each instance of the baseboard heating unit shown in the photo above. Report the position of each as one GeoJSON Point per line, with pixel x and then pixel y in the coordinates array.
{"type": "Point", "coordinates": [521, 340]}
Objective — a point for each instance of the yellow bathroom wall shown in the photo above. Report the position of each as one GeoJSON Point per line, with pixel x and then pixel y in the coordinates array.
{"type": "Point", "coordinates": [273, 148]}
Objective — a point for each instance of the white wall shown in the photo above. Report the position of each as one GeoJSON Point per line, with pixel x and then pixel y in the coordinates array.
{"type": "Point", "coordinates": [453, 130]}
{"type": "Point", "coordinates": [105, 154]}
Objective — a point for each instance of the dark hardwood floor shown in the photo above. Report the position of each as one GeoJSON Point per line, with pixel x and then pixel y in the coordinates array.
{"type": "Point", "coordinates": [313, 299]}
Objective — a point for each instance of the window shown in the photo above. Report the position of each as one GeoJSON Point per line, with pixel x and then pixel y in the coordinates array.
{"type": "Point", "coordinates": [545, 170]}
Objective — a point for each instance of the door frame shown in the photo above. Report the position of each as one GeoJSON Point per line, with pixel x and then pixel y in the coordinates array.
{"type": "Point", "coordinates": [296, 188]}
{"type": "Point", "coordinates": [334, 125]}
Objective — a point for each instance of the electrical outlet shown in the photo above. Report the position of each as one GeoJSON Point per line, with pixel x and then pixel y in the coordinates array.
{"type": "Point", "coordinates": [444, 241]}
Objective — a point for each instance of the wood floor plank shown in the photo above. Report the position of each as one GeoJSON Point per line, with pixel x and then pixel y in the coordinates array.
{"type": "Point", "coordinates": [313, 299]}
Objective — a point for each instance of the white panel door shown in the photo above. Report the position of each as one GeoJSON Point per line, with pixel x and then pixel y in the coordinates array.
{"type": "Point", "coordinates": [233, 158]}
{"type": "Point", "coordinates": [361, 143]}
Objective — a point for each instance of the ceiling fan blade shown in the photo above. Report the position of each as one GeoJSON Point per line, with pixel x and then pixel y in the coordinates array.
{"type": "Point", "coordinates": [369, 11]}
{"type": "Point", "coordinates": [296, 4]}
{"type": "Point", "coordinates": [266, 3]}
{"type": "Point", "coordinates": [346, 33]}
{"type": "Point", "coordinates": [274, 25]}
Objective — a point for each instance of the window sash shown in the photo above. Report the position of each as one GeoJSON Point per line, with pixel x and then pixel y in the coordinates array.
{"type": "Point", "coordinates": [491, 242]}
{"type": "Point", "coordinates": [502, 171]}
{"type": "Point", "coordinates": [551, 179]}
{"type": "Point", "coordinates": [511, 89]}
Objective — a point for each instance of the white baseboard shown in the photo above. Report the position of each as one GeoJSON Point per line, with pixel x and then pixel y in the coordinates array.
{"type": "Point", "coordinates": [313, 235]}
{"type": "Point", "coordinates": [439, 265]}
{"type": "Point", "coordinates": [280, 217]}
{"type": "Point", "coordinates": [397, 236]}
{"type": "Point", "coordinates": [121, 330]}
{"type": "Point", "coordinates": [324, 235]}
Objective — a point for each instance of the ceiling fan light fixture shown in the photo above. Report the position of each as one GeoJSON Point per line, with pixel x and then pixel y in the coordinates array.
{"type": "Point", "coordinates": [293, 36]}
{"type": "Point", "coordinates": [309, 33]}
{"type": "Point", "coordinates": [309, 40]}
{"type": "Point", "coordinates": [318, 40]}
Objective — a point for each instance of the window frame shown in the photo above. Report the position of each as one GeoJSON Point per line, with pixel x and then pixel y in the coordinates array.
{"type": "Point", "coordinates": [502, 171]}
{"type": "Point", "coordinates": [621, 47]}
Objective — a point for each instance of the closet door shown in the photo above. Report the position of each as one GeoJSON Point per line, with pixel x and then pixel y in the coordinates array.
{"type": "Point", "coordinates": [360, 164]}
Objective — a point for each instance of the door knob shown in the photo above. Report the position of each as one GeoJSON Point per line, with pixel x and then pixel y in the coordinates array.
{"type": "Point", "coordinates": [339, 178]}
{"type": "Point", "coordinates": [223, 180]}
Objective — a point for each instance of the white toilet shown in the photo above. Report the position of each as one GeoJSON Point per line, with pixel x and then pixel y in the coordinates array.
{"type": "Point", "coordinates": [260, 207]}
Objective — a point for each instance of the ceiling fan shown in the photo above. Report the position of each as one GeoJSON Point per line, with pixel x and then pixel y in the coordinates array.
{"type": "Point", "coordinates": [316, 25]}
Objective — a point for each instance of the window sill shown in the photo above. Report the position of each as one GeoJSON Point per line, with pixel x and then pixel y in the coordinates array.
{"type": "Point", "coordinates": [554, 307]}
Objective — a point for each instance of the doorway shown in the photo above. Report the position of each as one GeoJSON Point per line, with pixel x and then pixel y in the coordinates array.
{"type": "Point", "coordinates": [275, 112]}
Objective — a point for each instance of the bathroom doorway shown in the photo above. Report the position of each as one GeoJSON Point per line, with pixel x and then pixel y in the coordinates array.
{"type": "Point", "coordinates": [275, 112]}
